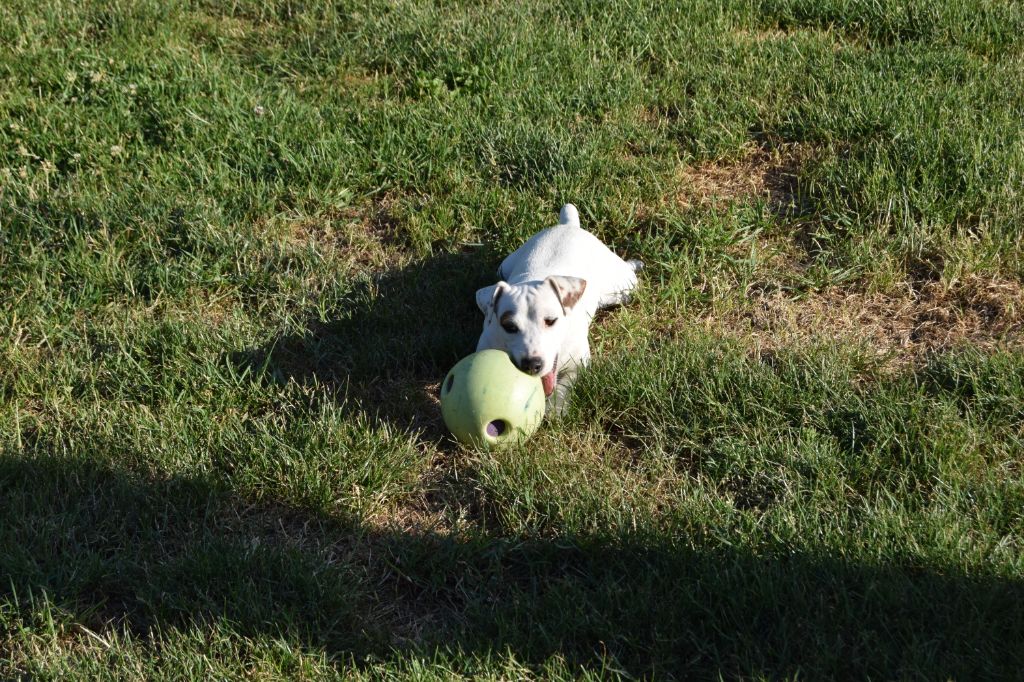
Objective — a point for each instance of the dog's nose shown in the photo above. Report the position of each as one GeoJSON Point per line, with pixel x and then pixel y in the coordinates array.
{"type": "Point", "coordinates": [531, 365]}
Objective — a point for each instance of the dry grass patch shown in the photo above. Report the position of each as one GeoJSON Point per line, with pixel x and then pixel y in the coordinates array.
{"type": "Point", "coordinates": [214, 309]}
{"type": "Point", "coordinates": [406, 402]}
{"type": "Point", "coordinates": [361, 238]}
{"type": "Point", "coordinates": [771, 36]}
{"type": "Point", "coordinates": [758, 173]}
{"type": "Point", "coordinates": [447, 500]}
{"type": "Point", "coordinates": [524, 490]}
{"type": "Point", "coordinates": [760, 35]}
{"type": "Point", "coordinates": [899, 326]}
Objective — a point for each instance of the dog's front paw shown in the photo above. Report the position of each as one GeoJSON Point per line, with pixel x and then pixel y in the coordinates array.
{"type": "Point", "coordinates": [557, 403]}
{"type": "Point", "coordinates": [637, 265]}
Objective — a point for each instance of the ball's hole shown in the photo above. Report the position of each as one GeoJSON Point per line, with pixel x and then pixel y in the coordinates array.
{"type": "Point", "coordinates": [496, 428]}
{"type": "Point", "coordinates": [448, 384]}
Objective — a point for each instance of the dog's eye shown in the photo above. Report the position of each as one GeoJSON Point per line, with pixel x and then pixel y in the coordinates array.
{"type": "Point", "coordinates": [510, 328]}
{"type": "Point", "coordinates": [550, 321]}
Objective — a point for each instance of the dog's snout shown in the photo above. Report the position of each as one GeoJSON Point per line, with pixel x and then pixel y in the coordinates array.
{"type": "Point", "coordinates": [531, 364]}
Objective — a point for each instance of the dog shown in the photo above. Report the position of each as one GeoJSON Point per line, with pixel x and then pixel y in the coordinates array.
{"type": "Point", "coordinates": [548, 292]}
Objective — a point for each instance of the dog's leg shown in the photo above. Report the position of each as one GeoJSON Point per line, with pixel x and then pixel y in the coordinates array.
{"type": "Point", "coordinates": [558, 401]}
{"type": "Point", "coordinates": [623, 295]}
{"type": "Point", "coordinates": [569, 364]}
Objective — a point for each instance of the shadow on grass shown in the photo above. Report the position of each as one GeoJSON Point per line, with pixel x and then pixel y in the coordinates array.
{"type": "Point", "coordinates": [147, 555]}
{"type": "Point", "coordinates": [392, 345]}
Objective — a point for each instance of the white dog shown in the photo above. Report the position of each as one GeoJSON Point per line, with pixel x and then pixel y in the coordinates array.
{"type": "Point", "coordinates": [550, 289]}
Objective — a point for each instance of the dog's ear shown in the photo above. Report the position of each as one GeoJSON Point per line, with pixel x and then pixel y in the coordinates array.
{"type": "Point", "coordinates": [488, 297]}
{"type": "Point", "coordinates": [568, 289]}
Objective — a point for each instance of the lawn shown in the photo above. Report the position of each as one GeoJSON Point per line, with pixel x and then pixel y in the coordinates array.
{"type": "Point", "coordinates": [239, 243]}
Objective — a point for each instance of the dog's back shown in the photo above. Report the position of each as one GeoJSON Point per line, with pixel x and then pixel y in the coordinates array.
{"type": "Point", "coordinates": [569, 250]}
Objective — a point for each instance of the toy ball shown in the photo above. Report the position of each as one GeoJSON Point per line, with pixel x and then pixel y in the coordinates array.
{"type": "Point", "coordinates": [486, 401]}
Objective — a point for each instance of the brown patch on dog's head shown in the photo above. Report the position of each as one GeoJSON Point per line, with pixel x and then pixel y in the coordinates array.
{"type": "Point", "coordinates": [568, 289]}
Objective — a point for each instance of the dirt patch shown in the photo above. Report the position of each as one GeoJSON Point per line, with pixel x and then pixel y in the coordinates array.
{"type": "Point", "coordinates": [761, 35]}
{"type": "Point", "coordinates": [412, 403]}
{"type": "Point", "coordinates": [778, 34]}
{"type": "Point", "coordinates": [759, 173]}
{"type": "Point", "coordinates": [366, 237]}
{"type": "Point", "coordinates": [448, 500]}
{"type": "Point", "coordinates": [901, 327]}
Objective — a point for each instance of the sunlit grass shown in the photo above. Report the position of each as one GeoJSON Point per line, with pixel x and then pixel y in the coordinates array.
{"type": "Point", "coordinates": [238, 249]}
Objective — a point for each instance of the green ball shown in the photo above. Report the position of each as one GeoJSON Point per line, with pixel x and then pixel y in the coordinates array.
{"type": "Point", "coordinates": [486, 401]}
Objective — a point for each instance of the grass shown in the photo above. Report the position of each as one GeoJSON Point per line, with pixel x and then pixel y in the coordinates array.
{"type": "Point", "coordinates": [798, 452]}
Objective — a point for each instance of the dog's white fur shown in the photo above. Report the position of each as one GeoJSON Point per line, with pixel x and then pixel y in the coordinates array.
{"type": "Point", "coordinates": [551, 287]}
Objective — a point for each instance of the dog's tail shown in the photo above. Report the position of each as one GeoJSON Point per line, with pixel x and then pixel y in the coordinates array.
{"type": "Point", "coordinates": [569, 216]}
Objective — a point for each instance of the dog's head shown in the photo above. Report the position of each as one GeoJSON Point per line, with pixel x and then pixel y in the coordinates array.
{"type": "Point", "coordinates": [527, 321]}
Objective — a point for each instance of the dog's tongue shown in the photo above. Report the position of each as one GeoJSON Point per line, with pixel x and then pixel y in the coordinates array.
{"type": "Point", "coordinates": [549, 382]}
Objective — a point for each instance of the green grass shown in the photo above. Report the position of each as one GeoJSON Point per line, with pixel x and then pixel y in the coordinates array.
{"type": "Point", "coordinates": [219, 451]}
